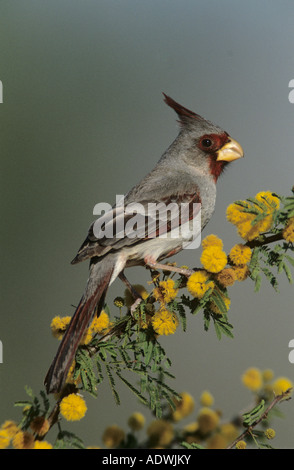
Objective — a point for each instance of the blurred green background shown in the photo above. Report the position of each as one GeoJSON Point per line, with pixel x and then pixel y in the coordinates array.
{"type": "Point", "coordinates": [83, 119]}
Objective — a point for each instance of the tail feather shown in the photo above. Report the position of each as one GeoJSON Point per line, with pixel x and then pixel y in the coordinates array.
{"type": "Point", "coordinates": [100, 275]}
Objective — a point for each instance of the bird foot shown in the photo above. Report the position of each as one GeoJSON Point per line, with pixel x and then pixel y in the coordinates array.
{"type": "Point", "coordinates": [135, 305]}
{"type": "Point", "coordinates": [134, 293]}
{"type": "Point", "coordinates": [151, 263]}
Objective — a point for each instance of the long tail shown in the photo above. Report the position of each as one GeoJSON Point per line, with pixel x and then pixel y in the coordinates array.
{"type": "Point", "coordinates": [94, 295]}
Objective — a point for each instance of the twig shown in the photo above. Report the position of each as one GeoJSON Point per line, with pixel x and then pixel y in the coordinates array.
{"type": "Point", "coordinates": [265, 240]}
{"type": "Point", "coordinates": [283, 396]}
{"type": "Point", "coordinates": [54, 415]}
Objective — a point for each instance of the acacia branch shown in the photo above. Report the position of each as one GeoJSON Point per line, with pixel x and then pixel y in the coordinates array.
{"type": "Point", "coordinates": [120, 326]}
{"type": "Point", "coordinates": [170, 268]}
{"type": "Point", "coordinates": [283, 396]}
{"type": "Point", "coordinates": [261, 241]}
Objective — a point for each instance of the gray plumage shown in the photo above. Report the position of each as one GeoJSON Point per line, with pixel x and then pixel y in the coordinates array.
{"type": "Point", "coordinates": [187, 173]}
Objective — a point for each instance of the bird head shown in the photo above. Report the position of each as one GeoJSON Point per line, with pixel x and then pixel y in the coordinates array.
{"type": "Point", "coordinates": [207, 147]}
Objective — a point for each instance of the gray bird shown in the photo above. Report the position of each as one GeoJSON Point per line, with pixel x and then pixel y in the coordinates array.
{"type": "Point", "coordinates": [185, 176]}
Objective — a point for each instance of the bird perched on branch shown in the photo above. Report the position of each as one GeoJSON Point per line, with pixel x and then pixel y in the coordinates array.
{"type": "Point", "coordinates": [186, 174]}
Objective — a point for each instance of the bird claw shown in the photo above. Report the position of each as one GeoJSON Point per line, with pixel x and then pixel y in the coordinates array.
{"type": "Point", "coordinates": [150, 261]}
{"type": "Point", "coordinates": [135, 305]}
{"type": "Point", "coordinates": [134, 293]}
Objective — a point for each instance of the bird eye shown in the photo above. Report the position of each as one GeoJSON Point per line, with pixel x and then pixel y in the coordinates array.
{"type": "Point", "coordinates": [206, 143]}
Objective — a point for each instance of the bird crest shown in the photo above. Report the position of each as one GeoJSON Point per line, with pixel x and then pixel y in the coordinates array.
{"type": "Point", "coordinates": [184, 114]}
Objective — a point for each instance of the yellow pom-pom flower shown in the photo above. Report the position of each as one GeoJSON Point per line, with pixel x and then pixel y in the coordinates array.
{"type": "Point", "coordinates": [208, 420]}
{"type": "Point", "coordinates": [240, 254]}
{"type": "Point", "coordinates": [241, 445]}
{"type": "Point", "coordinates": [211, 240]}
{"type": "Point", "coordinates": [113, 436]}
{"type": "Point", "coordinates": [119, 302]}
{"type": "Point", "coordinates": [199, 283]}
{"type": "Point", "coordinates": [136, 421]}
{"type": "Point", "coordinates": [23, 440]}
{"type": "Point", "coordinates": [268, 198]}
{"type": "Point", "coordinates": [241, 272]}
{"type": "Point", "coordinates": [226, 277]}
{"type": "Point", "coordinates": [270, 433]}
{"type": "Point", "coordinates": [248, 231]}
{"type": "Point", "coordinates": [244, 221]}
{"type": "Point", "coordinates": [213, 259]}
{"type": "Point", "coordinates": [166, 292]}
{"type": "Point", "coordinates": [229, 431]}
{"type": "Point", "coordinates": [281, 385]}
{"type": "Point", "coordinates": [4, 439]}
{"type": "Point", "coordinates": [252, 379]}
{"type": "Point", "coordinates": [267, 375]}
{"type": "Point", "coordinates": [42, 445]}
{"type": "Point", "coordinates": [165, 322]}
{"type": "Point", "coordinates": [40, 425]}
{"type": "Point", "coordinates": [73, 407]}
{"type": "Point", "coordinates": [206, 399]}
{"type": "Point", "coordinates": [288, 232]}
{"type": "Point", "coordinates": [191, 428]}
{"type": "Point", "coordinates": [184, 407]}
{"type": "Point", "coordinates": [101, 323]}
{"type": "Point", "coordinates": [10, 427]}
{"type": "Point", "coordinates": [160, 433]}
{"type": "Point", "coordinates": [235, 214]}
{"type": "Point", "coordinates": [216, 441]}
{"type": "Point", "coordinates": [59, 326]}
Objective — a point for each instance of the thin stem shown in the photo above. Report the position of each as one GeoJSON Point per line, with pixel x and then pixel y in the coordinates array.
{"type": "Point", "coordinates": [265, 240]}
{"type": "Point", "coordinates": [283, 396]}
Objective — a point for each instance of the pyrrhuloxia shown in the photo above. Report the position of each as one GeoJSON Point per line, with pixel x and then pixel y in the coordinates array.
{"type": "Point", "coordinates": [186, 172]}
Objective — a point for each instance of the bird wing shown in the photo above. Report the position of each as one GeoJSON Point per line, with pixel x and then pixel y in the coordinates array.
{"type": "Point", "coordinates": [127, 225]}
